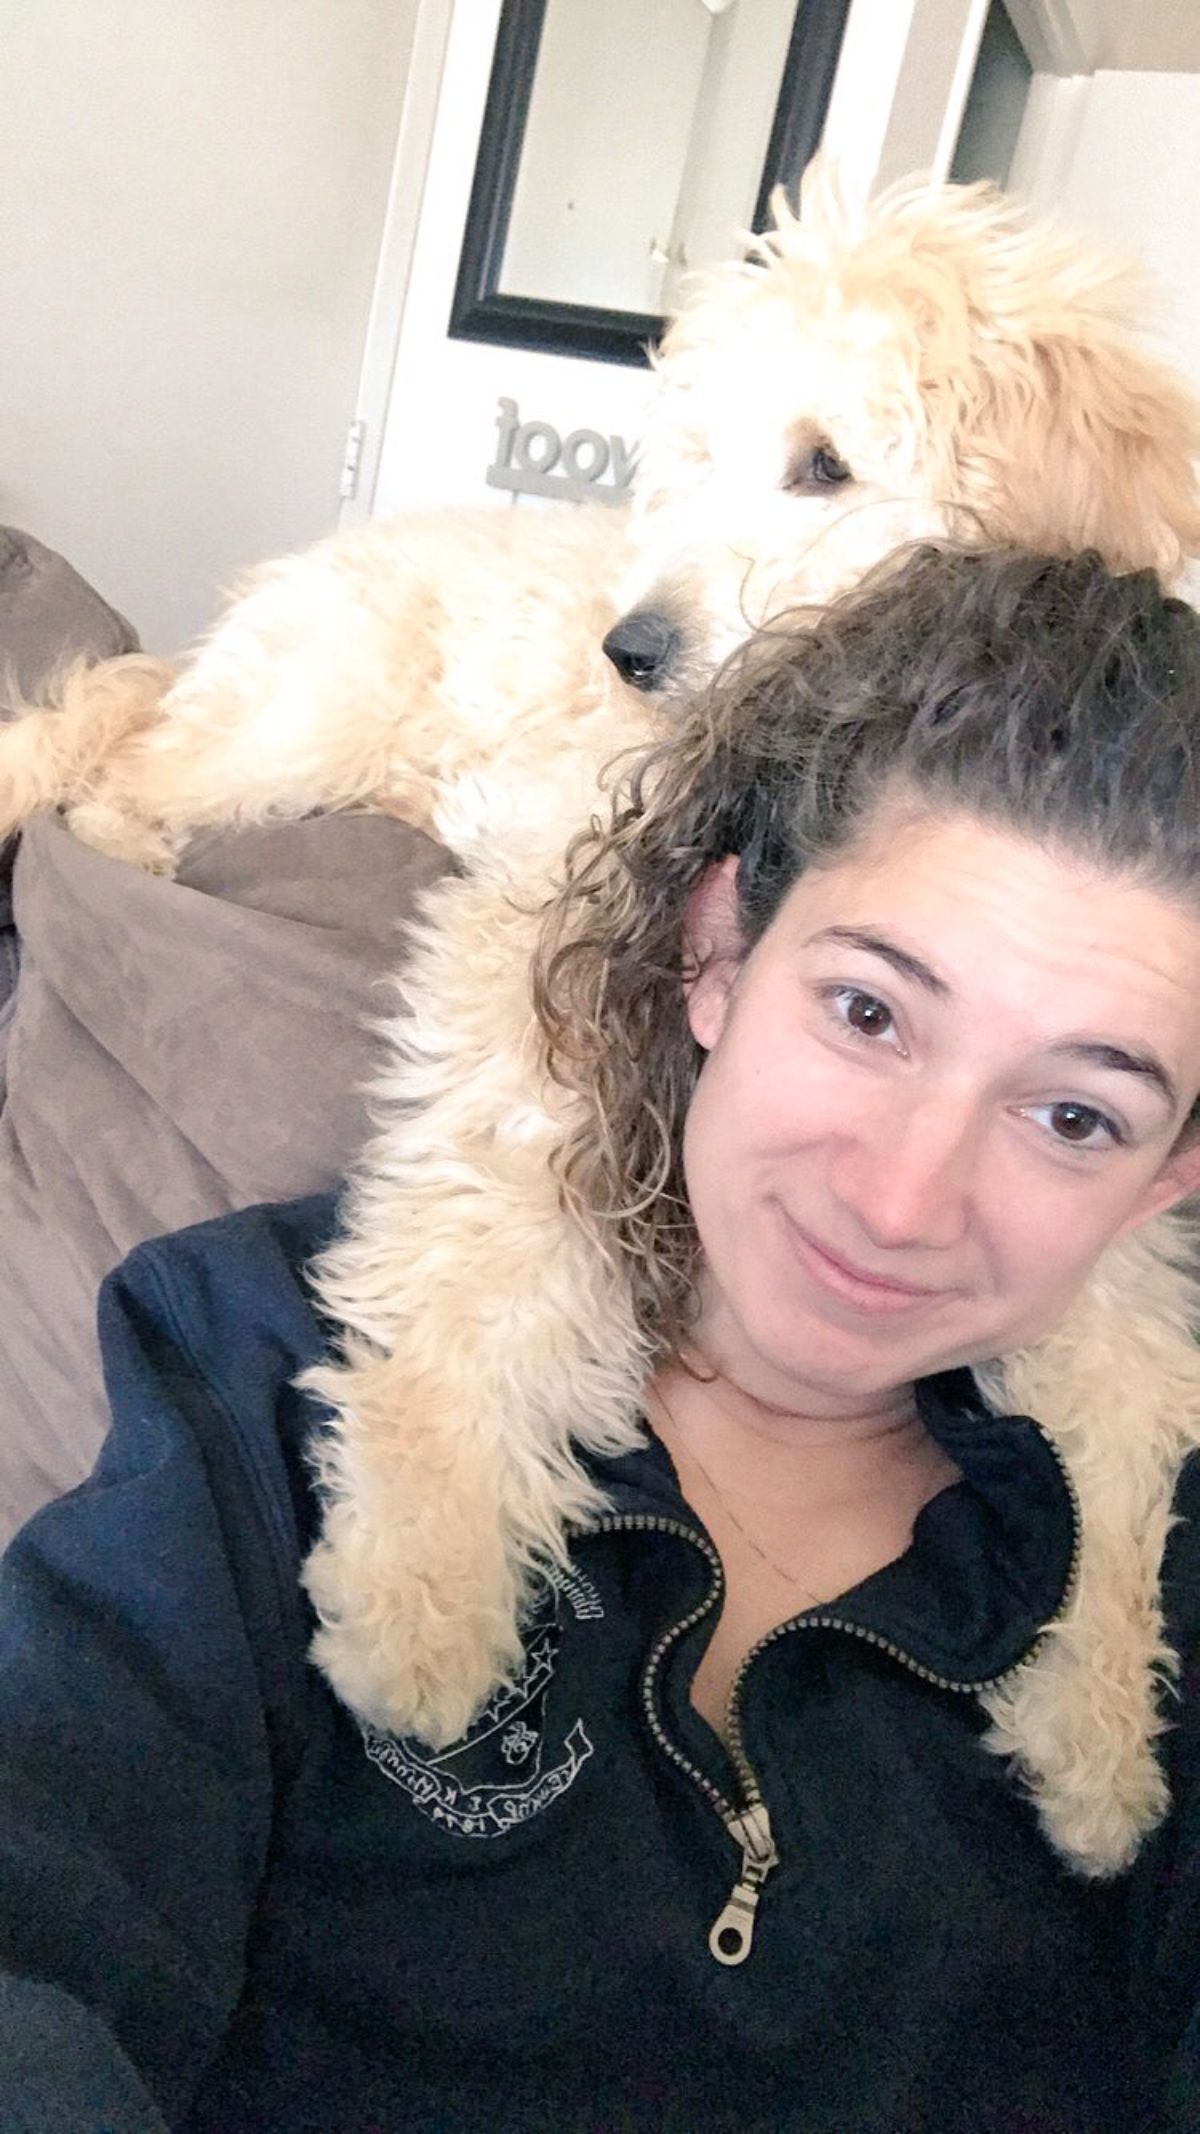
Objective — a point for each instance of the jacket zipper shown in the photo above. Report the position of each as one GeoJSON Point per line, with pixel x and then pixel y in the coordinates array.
{"type": "Point", "coordinates": [749, 1825]}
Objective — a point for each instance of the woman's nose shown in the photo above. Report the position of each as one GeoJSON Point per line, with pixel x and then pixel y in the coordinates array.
{"type": "Point", "coordinates": [909, 1181]}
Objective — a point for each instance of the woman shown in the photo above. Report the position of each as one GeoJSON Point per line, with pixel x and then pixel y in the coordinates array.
{"type": "Point", "coordinates": [885, 991]}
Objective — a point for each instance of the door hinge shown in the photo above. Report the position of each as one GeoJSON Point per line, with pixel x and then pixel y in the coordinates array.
{"type": "Point", "coordinates": [352, 460]}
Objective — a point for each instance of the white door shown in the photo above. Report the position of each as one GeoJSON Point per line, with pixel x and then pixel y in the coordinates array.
{"type": "Point", "coordinates": [439, 419]}
{"type": "Point", "coordinates": [443, 419]}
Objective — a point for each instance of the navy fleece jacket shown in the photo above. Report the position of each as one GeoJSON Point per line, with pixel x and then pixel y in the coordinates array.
{"type": "Point", "coordinates": [224, 1905]}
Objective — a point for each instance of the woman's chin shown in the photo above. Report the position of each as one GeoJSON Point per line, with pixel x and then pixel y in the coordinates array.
{"type": "Point", "coordinates": [809, 1357]}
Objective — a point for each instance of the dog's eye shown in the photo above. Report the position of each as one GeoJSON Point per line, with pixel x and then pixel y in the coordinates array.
{"type": "Point", "coordinates": [816, 467]}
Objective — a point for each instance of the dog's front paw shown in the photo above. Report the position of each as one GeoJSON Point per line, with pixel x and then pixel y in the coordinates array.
{"type": "Point", "coordinates": [123, 837]}
{"type": "Point", "coordinates": [413, 1649]}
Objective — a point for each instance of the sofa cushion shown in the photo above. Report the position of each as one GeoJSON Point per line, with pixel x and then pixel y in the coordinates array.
{"type": "Point", "coordinates": [49, 614]}
{"type": "Point", "coordinates": [176, 1049]}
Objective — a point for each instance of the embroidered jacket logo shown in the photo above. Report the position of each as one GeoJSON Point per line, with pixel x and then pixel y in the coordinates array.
{"type": "Point", "coordinates": [501, 1773]}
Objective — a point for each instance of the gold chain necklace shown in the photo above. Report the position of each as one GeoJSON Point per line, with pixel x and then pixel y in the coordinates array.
{"type": "Point", "coordinates": [789, 1577]}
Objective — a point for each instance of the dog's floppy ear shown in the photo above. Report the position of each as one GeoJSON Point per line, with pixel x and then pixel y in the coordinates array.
{"type": "Point", "coordinates": [1113, 436]}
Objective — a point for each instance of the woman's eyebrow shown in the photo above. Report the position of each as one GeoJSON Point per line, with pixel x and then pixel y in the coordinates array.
{"type": "Point", "coordinates": [1093, 1052]}
{"type": "Point", "coordinates": [901, 960]}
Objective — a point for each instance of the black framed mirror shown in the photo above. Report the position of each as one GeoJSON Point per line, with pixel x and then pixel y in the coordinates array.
{"type": "Point", "coordinates": [594, 189]}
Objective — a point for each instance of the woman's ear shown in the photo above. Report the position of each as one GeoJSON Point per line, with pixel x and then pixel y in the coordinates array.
{"type": "Point", "coordinates": [1178, 1178]}
{"type": "Point", "coordinates": [713, 949]}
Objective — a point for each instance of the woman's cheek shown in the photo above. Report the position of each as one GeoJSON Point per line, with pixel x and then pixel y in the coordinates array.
{"type": "Point", "coordinates": [1046, 1232]}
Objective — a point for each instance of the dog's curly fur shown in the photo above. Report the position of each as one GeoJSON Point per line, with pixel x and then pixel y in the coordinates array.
{"type": "Point", "coordinates": [971, 373]}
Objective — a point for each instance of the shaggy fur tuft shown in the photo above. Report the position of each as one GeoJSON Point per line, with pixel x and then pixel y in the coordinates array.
{"type": "Point", "coordinates": [1117, 1385]}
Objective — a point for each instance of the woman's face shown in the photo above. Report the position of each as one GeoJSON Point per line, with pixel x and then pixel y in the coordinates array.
{"type": "Point", "coordinates": [951, 1072]}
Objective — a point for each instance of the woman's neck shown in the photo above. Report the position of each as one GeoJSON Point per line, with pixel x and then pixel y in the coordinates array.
{"type": "Point", "coordinates": [755, 1450]}
{"type": "Point", "coordinates": [707, 1391]}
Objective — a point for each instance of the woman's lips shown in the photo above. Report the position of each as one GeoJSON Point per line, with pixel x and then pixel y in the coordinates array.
{"type": "Point", "coordinates": [869, 1292]}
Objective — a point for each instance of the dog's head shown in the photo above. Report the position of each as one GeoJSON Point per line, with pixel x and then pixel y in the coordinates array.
{"type": "Point", "coordinates": [935, 364]}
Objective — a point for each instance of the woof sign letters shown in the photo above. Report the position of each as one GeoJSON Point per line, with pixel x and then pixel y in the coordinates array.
{"type": "Point", "coordinates": [583, 466]}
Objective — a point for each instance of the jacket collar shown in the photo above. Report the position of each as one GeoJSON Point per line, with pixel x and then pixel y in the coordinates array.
{"type": "Point", "coordinates": [991, 1560]}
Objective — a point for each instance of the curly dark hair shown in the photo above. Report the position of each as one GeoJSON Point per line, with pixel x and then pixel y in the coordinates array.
{"type": "Point", "coordinates": [1039, 694]}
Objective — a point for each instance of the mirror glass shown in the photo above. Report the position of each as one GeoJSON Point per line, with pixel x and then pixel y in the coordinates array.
{"type": "Point", "coordinates": [644, 145]}
{"type": "Point", "coordinates": [625, 142]}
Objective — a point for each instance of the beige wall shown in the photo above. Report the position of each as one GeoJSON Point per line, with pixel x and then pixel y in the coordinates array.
{"type": "Point", "coordinates": [191, 203]}
{"type": "Point", "coordinates": [1135, 179]}
{"type": "Point", "coordinates": [1163, 34]}
{"type": "Point", "coordinates": [1119, 154]}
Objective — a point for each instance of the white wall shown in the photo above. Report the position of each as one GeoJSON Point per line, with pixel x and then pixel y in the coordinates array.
{"type": "Point", "coordinates": [1136, 179]}
{"type": "Point", "coordinates": [1120, 156]}
{"type": "Point", "coordinates": [191, 201]}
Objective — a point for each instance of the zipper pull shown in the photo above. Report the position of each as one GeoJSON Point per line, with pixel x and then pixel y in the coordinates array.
{"type": "Point", "coordinates": [733, 1932]}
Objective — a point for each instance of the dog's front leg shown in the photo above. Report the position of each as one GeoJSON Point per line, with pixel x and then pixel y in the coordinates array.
{"type": "Point", "coordinates": [488, 1337]}
{"type": "Point", "coordinates": [56, 754]}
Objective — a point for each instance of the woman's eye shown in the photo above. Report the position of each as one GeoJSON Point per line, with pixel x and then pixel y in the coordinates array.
{"type": "Point", "coordinates": [862, 1013]}
{"type": "Point", "coordinates": [1079, 1125]}
{"type": "Point", "coordinates": [816, 467]}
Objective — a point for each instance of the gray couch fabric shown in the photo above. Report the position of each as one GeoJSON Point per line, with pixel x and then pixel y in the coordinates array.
{"type": "Point", "coordinates": [49, 616]}
{"type": "Point", "coordinates": [177, 1049]}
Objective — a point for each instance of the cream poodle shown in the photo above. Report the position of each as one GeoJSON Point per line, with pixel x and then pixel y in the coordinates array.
{"type": "Point", "coordinates": [936, 364]}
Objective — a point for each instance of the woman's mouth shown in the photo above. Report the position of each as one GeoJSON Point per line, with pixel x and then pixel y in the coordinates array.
{"type": "Point", "coordinates": [856, 1285]}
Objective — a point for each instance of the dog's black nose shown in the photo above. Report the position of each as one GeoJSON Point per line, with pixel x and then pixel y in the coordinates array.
{"type": "Point", "coordinates": [641, 647]}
